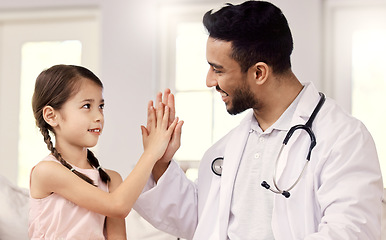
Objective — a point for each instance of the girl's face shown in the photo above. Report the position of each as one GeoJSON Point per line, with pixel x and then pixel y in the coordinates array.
{"type": "Point", "coordinates": [81, 120]}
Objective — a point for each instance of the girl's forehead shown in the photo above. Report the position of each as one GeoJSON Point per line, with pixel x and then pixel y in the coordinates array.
{"type": "Point", "coordinates": [88, 89]}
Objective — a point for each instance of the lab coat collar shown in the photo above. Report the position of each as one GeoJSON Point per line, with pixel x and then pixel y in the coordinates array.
{"type": "Point", "coordinates": [306, 105]}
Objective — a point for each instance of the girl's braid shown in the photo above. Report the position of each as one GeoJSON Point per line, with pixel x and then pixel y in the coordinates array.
{"type": "Point", "coordinates": [58, 156]}
{"type": "Point", "coordinates": [95, 163]}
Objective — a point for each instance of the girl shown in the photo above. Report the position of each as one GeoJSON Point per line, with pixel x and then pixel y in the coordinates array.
{"type": "Point", "coordinates": [70, 193]}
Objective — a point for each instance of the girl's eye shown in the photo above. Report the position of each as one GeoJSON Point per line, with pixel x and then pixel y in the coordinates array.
{"type": "Point", "coordinates": [102, 106]}
{"type": "Point", "coordinates": [87, 106]}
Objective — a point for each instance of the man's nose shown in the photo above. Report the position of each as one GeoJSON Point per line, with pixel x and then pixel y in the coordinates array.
{"type": "Point", "coordinates": [211, 80]}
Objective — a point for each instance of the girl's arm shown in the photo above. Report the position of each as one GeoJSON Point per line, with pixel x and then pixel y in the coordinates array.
{"type": "Point", "coordinates": [115, 227]}
{"type": "Point", "coordinates": [48, 177]}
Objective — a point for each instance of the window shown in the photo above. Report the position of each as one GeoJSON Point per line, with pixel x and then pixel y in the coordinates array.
{"type": "Point", "coordinates": [355, 65]}
{"type": "Point", "coordinates": [369, 84]}
{"type": "Point", "coordinates": [184, 68]}
{"type": "Point", "coordinates": [35, 57]}
{"type": "Point", "coordinates": [31, 41]}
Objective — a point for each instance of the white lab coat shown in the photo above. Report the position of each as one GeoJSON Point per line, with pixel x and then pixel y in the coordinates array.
{"type": "Point", "coordinates": [338, 197]}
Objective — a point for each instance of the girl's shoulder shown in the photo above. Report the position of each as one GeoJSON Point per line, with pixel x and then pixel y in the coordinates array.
{"type": "Point", "coordinates": [47, 165]}
{"type": "Point", "coordinates": [47, 172]}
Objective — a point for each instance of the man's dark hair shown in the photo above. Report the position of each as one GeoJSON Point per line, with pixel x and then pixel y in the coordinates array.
{"type": "Point", "coordinates": [258, 31]}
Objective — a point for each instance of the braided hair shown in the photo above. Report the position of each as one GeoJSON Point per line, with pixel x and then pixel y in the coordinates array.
{"type": "Point", "coordinates": [53, 87]}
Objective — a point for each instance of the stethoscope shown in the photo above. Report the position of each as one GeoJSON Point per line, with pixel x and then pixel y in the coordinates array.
{"type": "Point", "coordinates": [217, 164]}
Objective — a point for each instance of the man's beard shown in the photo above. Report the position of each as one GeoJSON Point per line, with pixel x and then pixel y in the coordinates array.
{"type": "Point", "coordinates": [242, 100]}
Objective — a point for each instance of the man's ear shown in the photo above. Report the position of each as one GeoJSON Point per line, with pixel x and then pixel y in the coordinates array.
{"type": "Point", "coordinates": [261, 72]}
{"type": "Point", "coordinates": [50, 116]}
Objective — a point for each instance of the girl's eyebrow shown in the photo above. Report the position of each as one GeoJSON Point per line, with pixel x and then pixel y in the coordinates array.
{"type": "Point", "coordinates": [92, 100]}
{"type": "Point", "coordinates": [88, 100]}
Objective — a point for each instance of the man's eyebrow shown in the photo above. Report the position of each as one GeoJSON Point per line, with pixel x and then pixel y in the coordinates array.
{"type": "Point", "coordinates": [215, 65]}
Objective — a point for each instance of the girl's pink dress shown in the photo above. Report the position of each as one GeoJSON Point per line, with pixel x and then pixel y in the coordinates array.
{"type": "Point", "coordinates": [54, 217]}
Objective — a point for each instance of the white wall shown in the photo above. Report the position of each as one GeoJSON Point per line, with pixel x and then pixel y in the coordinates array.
{"type": "Point", "coordinates": [128, 64]}
{"type": "Point", "coordinates": [129, 68]}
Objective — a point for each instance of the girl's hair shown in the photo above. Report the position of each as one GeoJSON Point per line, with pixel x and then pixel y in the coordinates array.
{"type": "Point", "coordinates": [53, 87]}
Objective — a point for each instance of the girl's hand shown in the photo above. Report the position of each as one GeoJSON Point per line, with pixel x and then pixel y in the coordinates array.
{"type": "Point", "coordinates": [168, 100]}
{"type": "Point", "coordinates": [157, 135]}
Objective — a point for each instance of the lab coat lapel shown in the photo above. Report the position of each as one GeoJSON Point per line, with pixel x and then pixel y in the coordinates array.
{"type": "Point", "coordinates": [306, 106]}
{"type": "Point", "coordinates": [232, 156]}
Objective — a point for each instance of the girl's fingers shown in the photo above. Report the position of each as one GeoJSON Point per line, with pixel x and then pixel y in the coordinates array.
{"type": "Point", "coordinates": [166, 96]}
{"type": "Point", "coordinates": [165, 119]}
{"type": "Point", "coordinates": [145, 135]}
{"type": "Point", "coordinates": [149, 106]}
{"type": "Point", "coordinates": [158, 99]}
{"type": "Point", "coordinates": [151, 119]}
{"type": "Point", "coordinates": [164, 111]}
{"type": "Point", "coordinates": [160, 114]}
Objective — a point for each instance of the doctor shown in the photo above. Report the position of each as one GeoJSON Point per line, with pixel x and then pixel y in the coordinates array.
{"type": "Point", "coordinates": [336, 194]}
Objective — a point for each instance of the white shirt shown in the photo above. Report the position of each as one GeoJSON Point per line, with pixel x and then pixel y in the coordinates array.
{"type": "Point", "coordinates": [257, 164]}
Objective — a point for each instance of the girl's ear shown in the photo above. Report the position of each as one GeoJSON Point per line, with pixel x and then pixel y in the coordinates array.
{"type": "Point", "coordinates": [50, 116]}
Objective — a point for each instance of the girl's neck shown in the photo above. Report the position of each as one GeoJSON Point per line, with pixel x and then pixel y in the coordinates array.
{"type": "Point", "coordinates": [74, 156]}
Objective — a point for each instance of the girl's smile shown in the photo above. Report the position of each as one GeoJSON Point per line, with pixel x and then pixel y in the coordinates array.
{"type": "Point", "coordinates": [97, 131]}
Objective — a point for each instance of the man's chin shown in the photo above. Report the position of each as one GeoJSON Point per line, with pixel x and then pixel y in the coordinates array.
{"type": "Point", "coordinates": [233, 111]}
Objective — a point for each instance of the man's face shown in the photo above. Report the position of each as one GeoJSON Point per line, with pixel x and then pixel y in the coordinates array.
{"type": "Point", "coordinates": [225, 75]}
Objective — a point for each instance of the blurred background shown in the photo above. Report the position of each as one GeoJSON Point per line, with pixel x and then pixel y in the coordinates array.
{"type": "Point", "coordinates": [138, 48]}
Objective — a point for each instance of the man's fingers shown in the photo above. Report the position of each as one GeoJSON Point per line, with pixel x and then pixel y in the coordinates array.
{"type": "Point", "coordinates": [173, 126]}
{"type": "Point", "coordinates": [177, 132]}
{"type": "Point", "coordinates": [171, 105]}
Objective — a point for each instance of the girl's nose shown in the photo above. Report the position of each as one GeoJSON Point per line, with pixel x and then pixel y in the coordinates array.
{"type": "Point", "coordinates": [98, 116]}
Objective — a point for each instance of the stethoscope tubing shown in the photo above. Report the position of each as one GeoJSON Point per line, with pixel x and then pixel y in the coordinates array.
{"type": "Point", "coordinates": [307, 128]}
{"type": "Point", "coordinates": [278, 190]}
{"type": "Point", "coordinates": [217, 163]}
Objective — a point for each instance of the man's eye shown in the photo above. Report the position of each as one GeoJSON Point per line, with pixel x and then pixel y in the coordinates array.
{"type": "Point", "coordinates": [215, 70]}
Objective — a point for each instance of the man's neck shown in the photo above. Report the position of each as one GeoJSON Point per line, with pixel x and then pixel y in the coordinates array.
{"type": "Point", "coordinates": [277, 98]}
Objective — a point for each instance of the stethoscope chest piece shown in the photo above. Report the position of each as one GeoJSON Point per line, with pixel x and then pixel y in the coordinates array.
{"type": "Point", "coordinates": [217, 166]}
